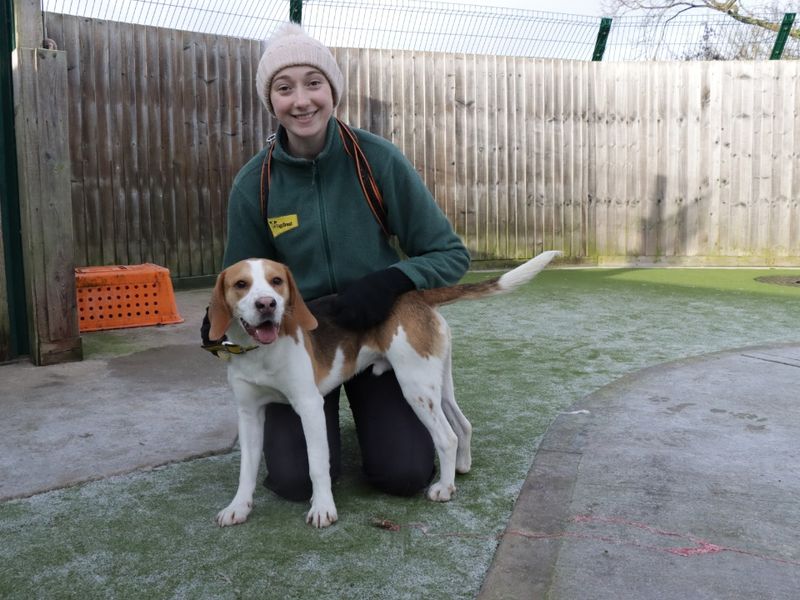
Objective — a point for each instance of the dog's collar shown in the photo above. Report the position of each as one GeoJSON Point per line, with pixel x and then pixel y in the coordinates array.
{"type": "Point", "coordinates": [225, 348]}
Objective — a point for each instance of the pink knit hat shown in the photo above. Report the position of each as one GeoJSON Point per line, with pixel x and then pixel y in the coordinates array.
{"type": "Point", "coordinates": [291, 46]}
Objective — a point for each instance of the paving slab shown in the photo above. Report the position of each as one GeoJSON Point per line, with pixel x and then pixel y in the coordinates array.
{"type": "Point", "coordinates": [679, 481]}
{"type": "Point", "coordinates": [142, 398]}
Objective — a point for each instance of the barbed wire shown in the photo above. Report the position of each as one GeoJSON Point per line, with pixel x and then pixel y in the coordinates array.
{"type": "Point", "coordinates": [428, 25]}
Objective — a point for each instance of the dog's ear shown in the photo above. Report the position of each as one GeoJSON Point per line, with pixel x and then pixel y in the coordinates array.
{"type": "Point", "coordinates": [219, 314]}
{"type": "Point", "coordinates": [297, 307]}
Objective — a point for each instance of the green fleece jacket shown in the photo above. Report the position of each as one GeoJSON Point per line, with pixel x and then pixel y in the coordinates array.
{"type": "Point", "coordinates": [321, 224]}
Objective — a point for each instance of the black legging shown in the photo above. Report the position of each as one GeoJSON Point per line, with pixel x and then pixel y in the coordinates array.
{"type": "Point", "coordinates": [397, 451]}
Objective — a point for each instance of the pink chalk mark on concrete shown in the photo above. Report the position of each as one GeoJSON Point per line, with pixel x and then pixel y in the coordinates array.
{"type": "Point", "coordinates": [701, 547]}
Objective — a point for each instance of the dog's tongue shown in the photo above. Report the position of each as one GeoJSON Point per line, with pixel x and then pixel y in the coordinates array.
{"type": "Point", "coordinates": [266, 333]}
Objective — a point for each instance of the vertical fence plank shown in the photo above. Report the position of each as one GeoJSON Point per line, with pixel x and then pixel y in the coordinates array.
{"type": "Point", "coordinates": [462, 107]}
{"type": "Point", "coordinates": [202, 166]}
{"type": "Point", "coordinates": [742, 174]}
{"type": "Point", "coordinates": [713, 124]}
{"type": "Point", "coordinates": [772, 242]}
{"type": "Point", "coordinates": [601, 163]}
{"type": "Point", "coordinates": [214, 141]}
{"type": "Point", "coordinates": [446, 148]}
{"type": "Point", "coordinates": [127, 190]}
{"type": "Point", "coordinates": [439, 172]}
{"type": "Point", "coordinates": [696, 164]}
{"type": "Point", "coordinates": [67, 34]}
{"type": "Point", "coordinates": [105, 197]}
{"type": "Point", "coordinates": [486, 199]}
{"type": "Point", "coordinates": [152, 153]}
{"type": "Point", "coordinates": [763, 114]}
{"type": "Point", "coordinates": [533, 240]}
{"type": "Point", "coordinates": [584, 156]}
{"type": "Point", "coordinates": [168, 40]}
{"type": "Point", "coordinates": [142, 173]}
{"type": "Point", "coordinates": [790, 155]}
{"type": "Point", "coordinates": [499, 127]}
{"type": "Point", "coordinates": [634, 165]}
{"type": "Point", "coordinates": [518, 159]}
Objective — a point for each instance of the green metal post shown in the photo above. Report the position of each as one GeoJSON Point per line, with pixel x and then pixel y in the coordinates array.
{"type": "Point", "coordinates": [296, 11]}
{"type": "Point", "coordinates": [9, 191]}
{"type": "Point", "coordinates": [602, 38]}
{"type": "Point", "coordinates": [783, 34]}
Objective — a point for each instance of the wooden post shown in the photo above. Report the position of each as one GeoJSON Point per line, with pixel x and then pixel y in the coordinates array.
{"type": "Point", "coordinates": [43, 166]}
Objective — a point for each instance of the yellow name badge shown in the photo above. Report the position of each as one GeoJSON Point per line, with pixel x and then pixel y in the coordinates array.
{"type": "Point", "coordinates": [279, 225]}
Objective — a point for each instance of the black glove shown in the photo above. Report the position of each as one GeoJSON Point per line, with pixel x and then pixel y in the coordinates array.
{"type": "Point", "coordinates": [367, 301]}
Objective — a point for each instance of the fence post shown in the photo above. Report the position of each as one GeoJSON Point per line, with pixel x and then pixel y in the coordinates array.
{"type": "Point", "coordinates": [39, 80]}
{"type": "Point", "coordinates": [783, 33]}
{"type": "Point", "coordinates": [602, 37]}
{"type": "Point", "coordinates": [13, 316]}
{"type": "Point", "coordinates": [296, 11]}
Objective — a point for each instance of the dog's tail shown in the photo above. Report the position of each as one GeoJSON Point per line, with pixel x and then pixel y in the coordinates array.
{"type": "Point", "coordinates": [499, 285]}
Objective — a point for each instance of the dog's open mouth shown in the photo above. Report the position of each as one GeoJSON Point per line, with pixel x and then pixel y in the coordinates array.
{"type": "Point", "coordinates": [263, 333]}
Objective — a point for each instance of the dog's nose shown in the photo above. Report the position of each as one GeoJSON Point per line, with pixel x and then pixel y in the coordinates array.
{"type": "Point", "coordinates": [266, 304]}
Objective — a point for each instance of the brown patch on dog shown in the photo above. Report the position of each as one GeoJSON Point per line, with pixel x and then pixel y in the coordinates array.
{"type": "Point", "coordinates": [323, 342]}
{"type": "Point", "coordinates": [462, 291]}
{"type": "Point", "coordinates": [225, 295]}
{"type": "Point", "coordinates": [418, 320]}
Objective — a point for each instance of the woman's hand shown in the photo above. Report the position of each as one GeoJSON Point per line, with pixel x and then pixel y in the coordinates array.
{"type": "Point", "coordinates": [367, 301]}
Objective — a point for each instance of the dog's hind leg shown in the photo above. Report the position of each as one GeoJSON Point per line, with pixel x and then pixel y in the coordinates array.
{"type": "Point", "coordinates": [461, 426]}
{"type": "Point", "coordinates": [421, 382]}
{"type": "Point", "coordinates": [251, 437]}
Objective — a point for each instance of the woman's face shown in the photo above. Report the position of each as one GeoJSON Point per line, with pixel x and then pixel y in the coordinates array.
{"type": "Point", "coordinates": [302, 100]}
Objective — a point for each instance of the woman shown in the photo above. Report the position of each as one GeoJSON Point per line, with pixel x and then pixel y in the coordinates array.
{"type": "Point", "coordinates": [320, 224]}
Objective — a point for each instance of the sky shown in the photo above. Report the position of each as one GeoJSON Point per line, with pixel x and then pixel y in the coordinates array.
{"type": "Point", "coordinates": [573, 7]}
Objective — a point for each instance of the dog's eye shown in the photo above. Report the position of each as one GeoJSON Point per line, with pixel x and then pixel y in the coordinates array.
{"type": "Point", "coordinates": [277, 281]}
{"type": "Point", "coordinates": [241, 284]}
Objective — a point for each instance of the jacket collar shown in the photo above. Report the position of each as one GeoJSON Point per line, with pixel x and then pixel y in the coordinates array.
{"type": "Point", "coordinates": [333, 143]}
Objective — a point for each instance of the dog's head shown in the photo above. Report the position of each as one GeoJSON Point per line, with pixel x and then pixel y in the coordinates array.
{"type": "Point", "coordinates": [263, 296]}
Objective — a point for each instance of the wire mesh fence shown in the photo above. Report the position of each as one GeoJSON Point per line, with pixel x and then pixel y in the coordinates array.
{"type": "Point", "coordinates": [426, 25]}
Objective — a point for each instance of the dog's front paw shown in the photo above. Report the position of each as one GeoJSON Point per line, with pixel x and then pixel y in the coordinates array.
{"type": "Point", "coordinates": [322, 515]}
{"type": "Point", "coordinates": [234, 514]}
{"type": "Point", "coordinates": [440, 492]}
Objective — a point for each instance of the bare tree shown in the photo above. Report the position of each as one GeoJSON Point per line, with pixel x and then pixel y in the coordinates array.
{"type": "Point", "coordinates": [766, 17]}
{"type": "Point", "coordinates": [749, 34]}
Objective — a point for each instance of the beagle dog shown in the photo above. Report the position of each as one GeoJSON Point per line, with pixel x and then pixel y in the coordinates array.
{"type": "Point", "coordinates": [281, 352]}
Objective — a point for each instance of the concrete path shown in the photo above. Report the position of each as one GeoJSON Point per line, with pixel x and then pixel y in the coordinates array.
{"type": "Point", "coordinates": [679, 481]}
{"type": "Point", "coordinates": [65, 424]}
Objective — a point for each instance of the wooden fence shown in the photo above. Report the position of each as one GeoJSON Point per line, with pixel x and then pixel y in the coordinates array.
{"type": "Point", "coordinates": [683, 162]}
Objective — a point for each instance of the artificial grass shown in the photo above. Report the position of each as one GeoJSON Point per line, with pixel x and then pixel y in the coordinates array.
{"type": "Point", "coordinates": [518, 361]}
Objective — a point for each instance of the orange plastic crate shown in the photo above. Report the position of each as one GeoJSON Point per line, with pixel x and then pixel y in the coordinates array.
{"type": "Point", "coordinates": [124, 296]}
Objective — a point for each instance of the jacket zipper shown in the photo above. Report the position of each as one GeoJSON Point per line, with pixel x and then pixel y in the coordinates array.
{"type": "Point", "coordinates": [323, 222]}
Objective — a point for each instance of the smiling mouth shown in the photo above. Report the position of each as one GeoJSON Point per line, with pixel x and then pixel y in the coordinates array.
{"type": "Point", "coordinates": [305, 116]}
{"type": "Point", "coordinates": [264, 333]}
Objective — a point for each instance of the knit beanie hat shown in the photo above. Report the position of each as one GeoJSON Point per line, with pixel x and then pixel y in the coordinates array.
{"type": "Point", "coordinates": [291, 46]}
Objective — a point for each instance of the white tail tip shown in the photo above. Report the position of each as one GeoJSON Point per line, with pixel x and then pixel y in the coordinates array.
{"type": "Point", "coordinates": [527, 271]}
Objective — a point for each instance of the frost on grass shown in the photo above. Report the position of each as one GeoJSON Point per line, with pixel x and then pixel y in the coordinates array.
{"type": "Point", "coordinates": [518, 362]}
